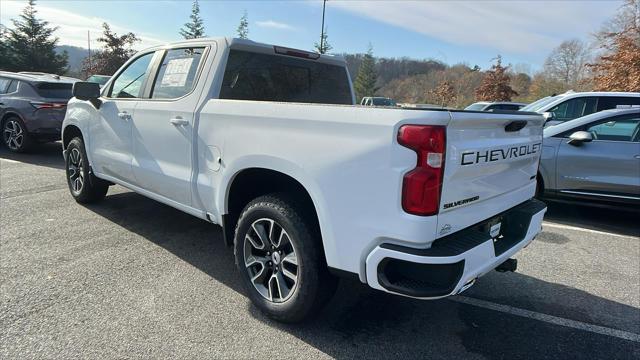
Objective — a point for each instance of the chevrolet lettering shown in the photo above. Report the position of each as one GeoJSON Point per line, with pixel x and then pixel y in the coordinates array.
{"type": "Point", "coordinates": [476, 157]}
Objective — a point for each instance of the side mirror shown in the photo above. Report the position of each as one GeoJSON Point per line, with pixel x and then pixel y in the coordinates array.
{"type": "Point", "coordinates": [548, 116]}
{"type": "Point", "coordinates": [579, 137]}
{"type": "Point", "coordinates": [87, 91]}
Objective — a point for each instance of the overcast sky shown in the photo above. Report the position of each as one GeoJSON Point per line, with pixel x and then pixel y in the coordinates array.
{"type": "Point", "coordinates": [451, 31]}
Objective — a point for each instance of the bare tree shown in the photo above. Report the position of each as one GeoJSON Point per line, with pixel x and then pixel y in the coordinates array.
{"type": "Point", "coordinates": [567, 62]}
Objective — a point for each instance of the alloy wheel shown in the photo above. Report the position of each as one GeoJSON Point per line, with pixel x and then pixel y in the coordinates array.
{"type": "Point", "coordinates": [270, 260]}
{"type": "Point", "coordinates": [76, 171]}
{"type": "Point", "coordinates": [13, 134]}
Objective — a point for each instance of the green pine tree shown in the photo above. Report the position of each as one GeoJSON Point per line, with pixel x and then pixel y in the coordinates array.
{"type": "Point", "coordinates": [195, 28]}
{"type": "Point", "coordinates": [365, 84]}
{"type": "Point", "coordinates": [243, 27]}
{"type": "Point", "coordinates": [30, 45]}
{"type": "Point", "coordinates": [326, 47]}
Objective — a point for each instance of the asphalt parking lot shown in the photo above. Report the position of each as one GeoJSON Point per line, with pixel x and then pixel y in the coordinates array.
{"type": "Point", "coordinates": [131, 278]}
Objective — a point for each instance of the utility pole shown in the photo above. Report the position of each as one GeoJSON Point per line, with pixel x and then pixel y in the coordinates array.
{"type": "Point", "coordinates": [89, 47]}
{"type": "Point", "coordinates": [324, 5]}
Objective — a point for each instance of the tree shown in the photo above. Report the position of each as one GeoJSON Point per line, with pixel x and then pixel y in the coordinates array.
{"type": "Point", "coordinates": [567, 62]}
{"type": "Point", "coordinates": [116, 50]}
{"type": "Point", "coordinates": [243, 27]}
{"type": "Point", "coordinates": [325, 47]}
{"type": "Point", "coordinates": [520, 83]}
{"type": "Point", "coordinates": [365, 83]}
{"type": "Point", "coordinates": [495, 84]}
{"type": "Point", "coordinates": [618, 68]}
{"type": "Point", "coordinates": [30, 45]}
{"type": "Point", "coordinates": [443, 95]}
{"type": "Point", "coordinates": [542, 86]}
{"type": "Point", "coordinates": [195, 28]}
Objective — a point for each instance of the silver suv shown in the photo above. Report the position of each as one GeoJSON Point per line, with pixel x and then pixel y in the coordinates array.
{"type": "Point", "coordinates": [572, 105]}
{"type": "Point", "coordinates": [595, 157]}
{"type": "Point", "coordinates": [32, 107]}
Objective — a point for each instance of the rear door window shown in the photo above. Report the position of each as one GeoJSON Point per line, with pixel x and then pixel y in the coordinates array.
{"type": "Point", "coordinates": [13, 86]}
{"type": "Point", "coordinates": [177, 74]}
{"type": "Point", "coordinates": [574, 108]}
{"type": "Point", "coordinates": [264, 77]}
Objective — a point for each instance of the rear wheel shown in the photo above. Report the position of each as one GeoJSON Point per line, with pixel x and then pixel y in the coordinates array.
{"type": "Point", "coordinates": [83, 185]}
{"type": "Point", "coordinates": [280, 258]}
{"type": "Point", "coordinates": [15, 136]}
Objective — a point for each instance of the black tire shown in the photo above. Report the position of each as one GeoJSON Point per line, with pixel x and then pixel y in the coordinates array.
{"type": "Point", "coordinates": [83, 185]}
{"type": "Point", "coordinates": [314, 285]}
{"type": "Point", "coordinates": [15, 136]}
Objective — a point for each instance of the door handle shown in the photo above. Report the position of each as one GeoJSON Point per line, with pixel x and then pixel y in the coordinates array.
{"type": "Point", "coordinates": [178, 121]}
{"type": "Point", "coordinates": [637, 156]}
{"type": "Point", "coordinates": [124, 115]}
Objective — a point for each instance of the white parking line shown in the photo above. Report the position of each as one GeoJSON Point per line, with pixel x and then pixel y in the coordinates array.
{"type": "Point", "coordinates": [625, 335]}
{"type": "Point", "coordinates": [575, 228]}
{"type": "Point", "coordinates": [10, 161]}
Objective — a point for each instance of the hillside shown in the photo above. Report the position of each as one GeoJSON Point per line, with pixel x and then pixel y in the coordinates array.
{"type": "Point", "coordinates": [76, 55]}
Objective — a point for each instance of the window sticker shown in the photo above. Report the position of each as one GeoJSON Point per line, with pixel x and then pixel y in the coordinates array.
{"type": "Point", "coordinates": [176, 72]}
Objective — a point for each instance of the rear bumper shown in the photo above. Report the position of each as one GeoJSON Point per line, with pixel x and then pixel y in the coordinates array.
{"type": "Point", "coordinates": [454, 262]}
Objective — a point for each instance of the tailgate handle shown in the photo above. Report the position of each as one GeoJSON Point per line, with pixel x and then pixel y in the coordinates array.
{"type": "Point", "coordinates": [515, 125]}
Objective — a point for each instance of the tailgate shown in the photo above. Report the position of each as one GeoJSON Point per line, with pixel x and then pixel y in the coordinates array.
{"type": "Point", "coordinates": [491, 165]}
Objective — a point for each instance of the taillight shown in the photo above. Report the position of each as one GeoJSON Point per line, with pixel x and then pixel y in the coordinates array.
{"type": "Point", "coordinates": [421, 186]}
{"type": "Point", "coordinates": [45, 105]}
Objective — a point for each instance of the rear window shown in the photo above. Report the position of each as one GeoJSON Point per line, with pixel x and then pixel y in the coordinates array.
{"type": "Point", "coordinates": [262, 77]}
{"type": "Point", "coordinates": [55, 90]}
{"type": "Point", "coordinates": [476, 107]}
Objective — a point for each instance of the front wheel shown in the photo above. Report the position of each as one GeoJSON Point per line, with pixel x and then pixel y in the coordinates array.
{"type": "Point", "coordinates": [15, 135]}
{"type": "Point", "coordinates": [83, 185]}
{"type": "Point", "coordinates": [280, 258]}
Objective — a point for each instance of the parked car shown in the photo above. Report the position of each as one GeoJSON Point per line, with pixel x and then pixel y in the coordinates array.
{"type": "Point", "coordinates": [99, 79]}
{"type": "Point", "coordinates": [491, 106]}
{"type": "Point", "coordinates": [266, 142]}
{"type": "Point", "coordinates": [593, 158]}
{"type": "Point", "coordinates": [377, 101]}
{"type": "Point", "coordinates": [572, 105]}
{"type": "Point", "coordinates": [32, 107]}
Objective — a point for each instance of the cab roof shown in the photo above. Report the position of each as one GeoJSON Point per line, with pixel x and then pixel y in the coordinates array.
{"type": "Point", "coordinates": [250, 45]}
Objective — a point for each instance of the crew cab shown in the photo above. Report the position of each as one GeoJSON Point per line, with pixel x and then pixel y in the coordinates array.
{"type": "Point", "coordinates": [267, 142]}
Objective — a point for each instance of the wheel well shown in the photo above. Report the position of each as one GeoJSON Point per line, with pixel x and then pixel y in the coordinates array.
{"type": "Point", "coordinates": [252, 183]}
{"type": "Point", "coordinates": [69, 133]}
{"type": "Point", "coordinates": [540, 182]}
{"type": "Point", "coordinates": [8, 115]}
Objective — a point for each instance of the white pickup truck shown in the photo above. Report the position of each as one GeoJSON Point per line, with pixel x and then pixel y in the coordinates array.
{"type": "Point", "coordinates": [266, 141]}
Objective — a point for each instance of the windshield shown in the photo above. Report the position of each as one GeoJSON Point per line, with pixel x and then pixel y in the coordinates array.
{"type": "Point", "coordinates": [383, 102]}
{"type": "Point", "coordinates": [55, 90]}
{"type": "Point", "coordinates": [476, 107]}
{"type": "Point", "coordinates": [537, 105]}
{"type": "Point", "coordinates": [98, 79]}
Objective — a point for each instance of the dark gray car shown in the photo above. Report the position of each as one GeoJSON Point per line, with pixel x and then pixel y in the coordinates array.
{"type": "Point", "coordinates": [594, 158]}
{"type": "Point", "coordinates": [32, 107]}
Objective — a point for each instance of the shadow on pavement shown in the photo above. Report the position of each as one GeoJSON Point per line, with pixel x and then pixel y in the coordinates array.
{"type": "Point", "coordinates": [48, 154]}
{"type": "Point", "coordinates": [364, 323]}
{"type": "Point", "coordinates": [621, 222]}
